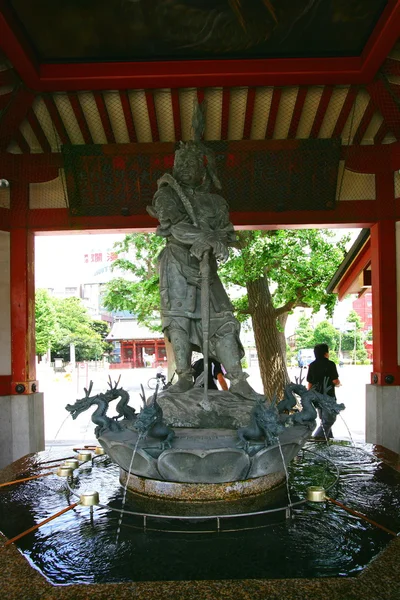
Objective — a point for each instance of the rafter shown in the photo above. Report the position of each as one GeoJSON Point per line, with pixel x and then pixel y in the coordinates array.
{"type": "Point", "coordinates": [14, 114]}
{"type": "Point", "coordinates": [226, 98]}
{"type": "Point", "coordinates": [321, 110]}
{"type": "Point", "coordinates": [386, 103]}
{"type": "Point", "coordinates": [298, 109]}
{"type": "Point", "coordinates": [151, 109]}
{"type": "Point", "coordinates": [273, 113]}
{"type": "Point", "coordinates": [126, 107]}
{"type": "Point", "coordinates": [248, 119]}
{"type": "Point", "coordinates": [365, 121]}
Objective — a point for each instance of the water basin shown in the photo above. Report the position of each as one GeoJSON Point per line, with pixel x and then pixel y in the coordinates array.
{"type": "Point", "coordinates": [319, 540]}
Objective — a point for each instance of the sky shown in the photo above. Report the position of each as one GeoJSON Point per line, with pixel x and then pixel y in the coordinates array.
{"type": "Point", "coordinates": [64, 260]}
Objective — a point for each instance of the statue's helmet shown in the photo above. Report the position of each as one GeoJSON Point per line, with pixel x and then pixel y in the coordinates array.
{"type": "Point", "coordinates": [202, 156]}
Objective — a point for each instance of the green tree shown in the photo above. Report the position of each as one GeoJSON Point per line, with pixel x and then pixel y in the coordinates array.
{"type": "Point", "coordinates": [75, 327]}
{"type": "Point", "coordinates": [353, 340]}
{"type": "Point", "coordinates": [103, 329]}
{"type": "Point", "coordinates": [46, 321]}
{"type": "Point", "coordinates": [281, 270]}
{"type": "Point", "coordinates": [277, 271]}
{"type": "Point", "coordinates": [139, 296]}
{"type": "Point", "coordinates": [325, 333]}
{"type": "Point", "coordinates": [304, 334]}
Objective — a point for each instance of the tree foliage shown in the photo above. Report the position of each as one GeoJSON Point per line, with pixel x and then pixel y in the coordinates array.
{"type": "Point", "coordinates": [304, 334]}
{"type": "Point", "coordinates": [61, 322]}
{"type": "Point", "coordinates": [46, 322]}
{"type": "Point", "coordinates": [137, 256]}
{"type": "Point", "coordinates": [353, 340]}
{"type": "Point", "coordinates": [276, 271]}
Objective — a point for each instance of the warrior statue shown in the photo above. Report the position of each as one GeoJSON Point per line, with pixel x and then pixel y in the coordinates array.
{"type": "Point", "coordinates": [195, 222]}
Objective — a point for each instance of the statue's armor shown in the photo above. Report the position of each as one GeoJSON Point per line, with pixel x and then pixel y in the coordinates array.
{"type": "Point", "coordinates": [180, 279]}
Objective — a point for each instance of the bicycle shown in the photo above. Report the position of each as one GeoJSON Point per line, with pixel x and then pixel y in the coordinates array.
{"type": "Point", "coordinates": [159, 380]}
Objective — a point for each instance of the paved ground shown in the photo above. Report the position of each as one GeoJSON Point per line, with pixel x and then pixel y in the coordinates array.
{"type": "Point", "coordinates": [59, 390]}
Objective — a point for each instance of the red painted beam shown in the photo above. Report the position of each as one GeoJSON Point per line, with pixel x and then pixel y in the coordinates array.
{"type": "Point", "coordinates": [14, 44]}
{"type": "Point", "coordinates": [30, 168]}
{"type": "Point", "coordinates": [345, 111]}
{"type": "Point", "coordinates": [151, 108]}
{"type": "Point", "coordinates": [38, 131]}
{"type": "Point", "coordinates": [298, 109]}
{"type": "Point", "coordinates": [381, 133]}
{"type": "Point", "coordinates": [384, 301]}
{"type": "Point", "coordinates": [352, 213]}
{"type": "Point", "coordinates": [126, 107]}
{"type": "Point", "coordinates": [5, 385]}
{"type": "Point", "coordinates": [80, 117]}
{"type": "Point", "coordinates": [321, 110]}
{"type": "Point", "coordinates": [391, 66]}
{"type": "Point", "coordinates": [5, 99]}
{"type": "Point", "coordinates": [365, 121]}
{"type": "Point", "coordinates": [248, 119]}
{"type": "Point", "coordinates": [386, 104]}
{"type": "Point", "coordinates": [104, 116]}
{"type": "Point", "coordinates": [200, 95]}
{"type": "Point", "coordinates": [382, 39]}
{"type": "Point", "coordinates": [5, 222]}
{"type": "Point", "coordinates": [14, 116]}
{"type": "Point", "coordinates": [361, 261]}
{"type": "Point", "coordinates": [273, 112]}
{"type": "Point", "coordinates": [56, 119]}
{"type": "Point", "coordinates": [7, 77]}
{"type": "Point", "coordinates": [176, 111]}
{"type": "Point", "coordinates": [22, 294]}
{"type": "Point", "coordinates": [200, 73]}
{"type": "Point", "coordinates": [372, 159]}
{"type": "Point", "coordinates": [226, 99]}
{"type": "Point", "coordinates": [21, 141]}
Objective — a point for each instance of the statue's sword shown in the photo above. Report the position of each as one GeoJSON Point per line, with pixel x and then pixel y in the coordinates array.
{"type": "Point", "coordinates": [205, 317]}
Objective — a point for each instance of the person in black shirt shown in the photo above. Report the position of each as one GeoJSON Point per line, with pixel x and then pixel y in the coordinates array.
{"type": "Point", "coordinates": [214, 374]}
{"type": "Point", "coordinates": [320, 369]}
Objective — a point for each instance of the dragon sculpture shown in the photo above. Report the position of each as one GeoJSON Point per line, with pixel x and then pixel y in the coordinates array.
{"type": "Point", "coordinates": [310, 400]}
{"type": "Point", "coordinates": [150, 421]}
{"type": "Point", "coordinates": [99, 416]}
{"type": "Point", "coordinates": [264, 425]}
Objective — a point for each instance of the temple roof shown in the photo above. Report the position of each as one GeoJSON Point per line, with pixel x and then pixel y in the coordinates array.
{"type": "Point", "coordinates": [120, 72]}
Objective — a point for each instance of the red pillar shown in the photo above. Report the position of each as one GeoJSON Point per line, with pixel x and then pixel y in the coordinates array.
{"type": "Point", "coordinates": [384, 289]}
{"type": "Point", "coordinates": [22, 290]}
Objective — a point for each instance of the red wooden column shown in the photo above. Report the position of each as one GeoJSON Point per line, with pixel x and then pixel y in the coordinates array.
{"type": "Point", "coordinates": [384, 290]}
{"type": "Point", "coordinates": [22, 291]}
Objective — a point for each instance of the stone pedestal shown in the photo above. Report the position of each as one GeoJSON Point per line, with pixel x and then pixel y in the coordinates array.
{"type": "Point", "coordinates": [383, 416]}
{"type": "Point", "coordinates": [204, 499]}
{"type": "Point", "coordinates": [21, 426]}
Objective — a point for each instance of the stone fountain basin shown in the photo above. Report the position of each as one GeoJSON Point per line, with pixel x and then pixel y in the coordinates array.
{"type": "Point", "coordinates": [203, 456]}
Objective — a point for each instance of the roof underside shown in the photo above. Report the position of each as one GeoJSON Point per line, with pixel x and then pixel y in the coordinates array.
{"type": "Point", "coordinates": [46, 105]}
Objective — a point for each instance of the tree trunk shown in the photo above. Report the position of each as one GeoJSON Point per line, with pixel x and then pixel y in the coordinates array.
{"type": "Point", "coordinates": [281, 334]}
{"type": "Point", "coordinates": [272, 365]}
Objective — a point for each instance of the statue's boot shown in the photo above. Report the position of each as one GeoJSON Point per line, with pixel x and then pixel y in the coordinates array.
{"type": "Point", "coordinates": [229, 354]}
{"type": "Point", "coordinates": [184, 384]}
{"type": "Point", "coordinates": [240, 387]}
{"type": "Point", "coordinates": [183, 353]}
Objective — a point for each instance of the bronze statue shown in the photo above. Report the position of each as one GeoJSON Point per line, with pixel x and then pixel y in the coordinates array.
{"type": "Point", "coordinates": [195, 309]}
